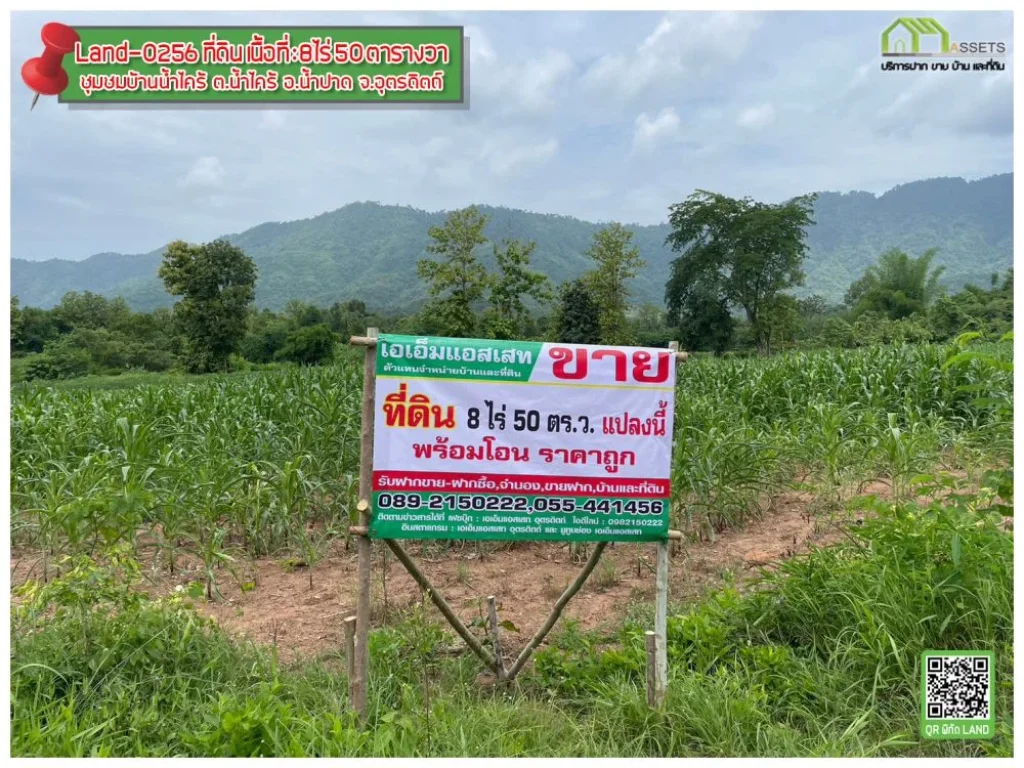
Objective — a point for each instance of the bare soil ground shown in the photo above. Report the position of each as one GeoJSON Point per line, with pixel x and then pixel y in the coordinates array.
{"type": "Point", "coordinates": [280, 608]}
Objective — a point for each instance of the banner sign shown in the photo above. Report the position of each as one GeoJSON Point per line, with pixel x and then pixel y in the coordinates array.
{"type": "Point", "coordinates": [483, 439]}
{"type": "Point", "coordinates": [274, 65]}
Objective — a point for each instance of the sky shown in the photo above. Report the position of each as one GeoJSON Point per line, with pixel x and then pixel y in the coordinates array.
{"type": "Point", "coordinates": [601, 116]}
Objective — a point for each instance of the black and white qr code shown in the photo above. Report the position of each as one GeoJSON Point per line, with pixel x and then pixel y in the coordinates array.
{"type": "Point", "coordinates": [958, 687]}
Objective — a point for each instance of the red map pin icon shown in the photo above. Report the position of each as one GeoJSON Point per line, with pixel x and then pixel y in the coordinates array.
{"type": "Point", "coordinates": [44, 74]}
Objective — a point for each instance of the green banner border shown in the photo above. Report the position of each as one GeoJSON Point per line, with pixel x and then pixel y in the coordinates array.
{"type": "Point", "coordinates": [73, 69]}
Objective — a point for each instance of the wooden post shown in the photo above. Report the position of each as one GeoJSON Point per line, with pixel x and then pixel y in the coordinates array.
{"type": "Point", "coordinates": [661, 624]}
{"type": "Point", "coordinates": [361, 672]}
{"type": "Point", "coordinates": [350, 649]}
{"type": "Point", "coordinates": [492, 618]}
{"type": "Point", "coordinates": [557, 610]}
{"type": "Point", "coordinates": [661, 601]}
{"type": "Point", "coordinates": [652, 673]}
{"type": "Point", "coordinates": [440, 602]}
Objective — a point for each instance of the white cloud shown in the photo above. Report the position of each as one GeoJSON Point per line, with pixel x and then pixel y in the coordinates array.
{"type": "Point", "coordinates": [504, 158]}
{"type": "Point", "coordinates": [205, 172]}
{"type": "Point", "coordinates": [651, 132]}
{"type": "Point", "coordinates": [541, 76]}
{"type": "Point", "coordinates": [756, 117]}
{"type": "Point", "coordinates": [679, 43]}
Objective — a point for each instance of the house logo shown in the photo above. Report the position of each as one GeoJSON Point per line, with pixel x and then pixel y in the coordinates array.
{"type": "Point", "coordinates": [924, 36]}
{"type": "Point", "coordinates": [903, 36]}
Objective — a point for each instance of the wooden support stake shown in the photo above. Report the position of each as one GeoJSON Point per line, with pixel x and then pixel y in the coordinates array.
{"type": "Point", "coordinates": [557, 611]}
{"type": "Point", "coordinates": [652, 673]}
{"type": "Point", "coordinates": [661, 603]}
{"type": "Point", "coordinates": [492, 618]}
{"type": "Point", "coordinates": [441, 603]}
{"type": "Point", "coordinates": [350, 648]}
{"type": "Point", "coordinates": [661, 623]}
{"type": "Point", "coordinates": [361, 672]}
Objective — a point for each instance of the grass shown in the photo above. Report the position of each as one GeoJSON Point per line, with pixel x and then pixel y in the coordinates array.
{"type": "Point", "coordinates": [606, 575]}
{"type": "Point", "coordinates": [820, 659]}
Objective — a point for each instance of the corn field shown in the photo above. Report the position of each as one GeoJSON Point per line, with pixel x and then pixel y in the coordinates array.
{"type": "Point", "coordinates": [262, 464]}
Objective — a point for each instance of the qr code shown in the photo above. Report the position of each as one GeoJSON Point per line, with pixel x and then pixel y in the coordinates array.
{"type": "Point", "coordinates": [957, 687]}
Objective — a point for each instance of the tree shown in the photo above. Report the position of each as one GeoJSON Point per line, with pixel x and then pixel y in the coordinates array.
{"type": "Point", "coordinates": [62, 358]}
{"type": "Point", "coordinates": [458, 280]}
{"type": "Point", "coordinates": [617, 261]}
{"type": "Point", "coordinates": [744, 251]}
{"type": "Point", "coordinates": [897, 286]}
{"type": "Point", "coordinates": [349, 318]}
{"type": "Point", "coordinates": [17, 325]}
{"type": "Point", "coordinates": [781, 320]}
{"type": "Point", "coordinates": [989, 312]}
{"type": "Point", "coordinates": [704, 321]}
{"type": "Point", "coordinates": [216, 282]}
{"type": "Point", "coordinates": [36, 328]}
{"type": "Point", "coordinates": [838, 333]}
{"type": "Point", "coordinates": [311, 345]}
{"type": "Point", "coordinates": [812, 306]}
{"type": "Point", "coordinates": [506, 316]}
{"type": "Point", "coordinates": [266, 336]}
{"type": "Point", "coordinates": [577, 319]}
{"type": "Point", "coordinates": [89, 310]}
{"type": "Point", "coordinates": [302, 313]}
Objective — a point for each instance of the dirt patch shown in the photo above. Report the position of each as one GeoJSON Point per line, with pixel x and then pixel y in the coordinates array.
{"type": "Point", "coordinates": [279, 607]}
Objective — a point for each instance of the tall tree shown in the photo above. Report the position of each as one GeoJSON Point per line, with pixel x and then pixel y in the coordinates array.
{"type": "Point", "coordinates": [577, 319]}
{"type": "Point", "coordinates": [458, 280]}
{"type": "Point", "coordinates": [506, 316]}
{"type": "Point", "coordinates": [216, 282]}
{"type": "Point", "coordinates": [744, 251]}
{"type": "Point", "coordinates": [618, 260]}
{"type": "Point", "coordinates": [897, 286]}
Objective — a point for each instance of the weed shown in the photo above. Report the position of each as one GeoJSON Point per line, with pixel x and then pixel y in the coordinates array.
{"type": "Point", "coordinates": [606, 575]}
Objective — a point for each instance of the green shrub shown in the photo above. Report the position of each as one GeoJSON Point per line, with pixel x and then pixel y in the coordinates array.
{"type": "Point", "coordinates": [312, 345]}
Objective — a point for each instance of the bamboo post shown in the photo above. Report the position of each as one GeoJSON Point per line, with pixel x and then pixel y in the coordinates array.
{"type": "Point", "coordinates": [361, 672]}
{"type": "Point", "coordinates": [492, 618]}
{"type": "Point", "coordinates": [557, 610]}
{"type": "Point", "coordinates": [350, 647]}
{"type": "Point", "coordinates": [652, 673]}
{"type": "Point", "coordinates": [440, 602]}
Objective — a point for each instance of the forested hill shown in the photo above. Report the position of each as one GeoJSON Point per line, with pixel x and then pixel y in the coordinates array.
{"type": "Point", "coordinates": [369, 251]}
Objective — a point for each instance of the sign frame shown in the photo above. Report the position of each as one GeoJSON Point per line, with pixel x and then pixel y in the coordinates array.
{"type": "Point", "coordinates": [358, 641]}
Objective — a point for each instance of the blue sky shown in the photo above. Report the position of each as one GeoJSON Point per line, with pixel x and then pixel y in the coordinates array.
{"type": "Point", "coordinates": [603, 116]}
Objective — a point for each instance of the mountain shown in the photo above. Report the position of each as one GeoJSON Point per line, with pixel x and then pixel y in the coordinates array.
{"type": "Point", "coordinates": [369, 251]}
